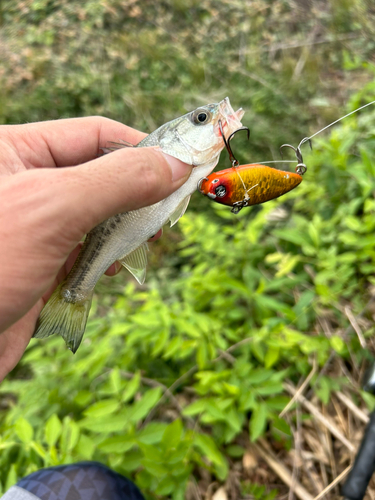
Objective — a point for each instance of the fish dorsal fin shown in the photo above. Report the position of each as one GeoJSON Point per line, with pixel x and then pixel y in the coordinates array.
{"type": "Point", "coordinates": [180, 210]}
{"type": "Point", "coordinates": [136, 262]}
{"type": "Point", "coordinates": [114, 146]}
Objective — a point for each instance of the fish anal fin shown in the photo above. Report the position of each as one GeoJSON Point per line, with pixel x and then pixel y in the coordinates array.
{"type": "Point", "coordinates": [64, 317]}
{"type": "Point", "coordinates": [180, 210]}
{"type": "Point", "coordinates": [136, 263]}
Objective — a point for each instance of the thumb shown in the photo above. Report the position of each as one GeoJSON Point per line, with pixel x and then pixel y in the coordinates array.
{"type": "Point", "coordinates": [121, 181]}
{"type": "Point", "coordinates": [124, 180]}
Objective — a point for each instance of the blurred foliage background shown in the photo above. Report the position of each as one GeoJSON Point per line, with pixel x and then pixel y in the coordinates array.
{"type": "Point", "coordinates": [176, 379]}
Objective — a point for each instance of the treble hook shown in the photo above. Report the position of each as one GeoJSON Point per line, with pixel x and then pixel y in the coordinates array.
{"type": "Point", "coordinates": [301, 167]}
{"type": "Point", "coordinates": [232, 158]}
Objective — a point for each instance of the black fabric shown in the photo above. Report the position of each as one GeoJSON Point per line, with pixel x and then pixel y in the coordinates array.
{"type": "Point", "coordinates": [81, 481]}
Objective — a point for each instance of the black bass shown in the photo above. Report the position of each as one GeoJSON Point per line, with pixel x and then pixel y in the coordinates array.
{"type": "Point", "coordinates": [194, 138]}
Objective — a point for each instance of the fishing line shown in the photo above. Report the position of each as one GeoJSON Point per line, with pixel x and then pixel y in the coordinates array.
{"type": "Point", "coordinates": [243, 184]}
{"type": "Point", "coordinates": [272, 161]}
{"type": "Point", "coordinates": [339, 120]}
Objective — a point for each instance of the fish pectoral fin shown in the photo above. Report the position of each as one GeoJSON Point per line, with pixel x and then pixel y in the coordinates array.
{"type": "Point", "coordinates": [180, 210]}
{"type": "Point", "coordinates": [136, 263]}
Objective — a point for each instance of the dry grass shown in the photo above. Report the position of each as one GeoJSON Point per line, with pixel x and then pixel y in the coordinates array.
{"type": "Point", "coordinates": [325, 438]}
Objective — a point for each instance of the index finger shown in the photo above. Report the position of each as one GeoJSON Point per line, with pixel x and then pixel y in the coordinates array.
{"type": "Point", "coordinates": [70, 141]}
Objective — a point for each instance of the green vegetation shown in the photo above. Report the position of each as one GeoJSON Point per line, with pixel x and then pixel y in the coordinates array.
{"type": "Point", "coordinates": [234, 306]}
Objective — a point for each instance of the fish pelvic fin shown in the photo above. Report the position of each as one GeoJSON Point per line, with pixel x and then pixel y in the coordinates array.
{"type": "Point", "coordinates": [64, 317]}
{"type": "Point", "coordinates": [136, 263]}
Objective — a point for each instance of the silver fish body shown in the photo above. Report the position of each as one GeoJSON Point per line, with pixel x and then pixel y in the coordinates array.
{"type": "Point", "coordinates": [123, 237]}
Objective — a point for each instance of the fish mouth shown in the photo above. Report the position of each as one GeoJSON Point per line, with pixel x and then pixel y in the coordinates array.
{"type": "Point", "coordinates": [231, 120]}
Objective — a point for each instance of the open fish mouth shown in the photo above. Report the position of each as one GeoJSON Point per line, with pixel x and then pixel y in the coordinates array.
{"type": "Point", "coordinates": [231, 120]}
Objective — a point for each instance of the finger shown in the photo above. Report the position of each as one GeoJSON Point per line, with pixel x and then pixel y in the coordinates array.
{"type": "Point", "coordinates": [15, 339]}
{"type": "Point", "coordinates": [119, 182]}
{"type": "Point", "coordinates": [67, 142]}
{"type": "Point", "coordinates": [157, 235]}
{"type": "Point", "coordinates": [114, 269]}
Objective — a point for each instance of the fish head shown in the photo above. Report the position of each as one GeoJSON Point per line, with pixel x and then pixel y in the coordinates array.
{"type": "Point", "coordinates": [195, 138]}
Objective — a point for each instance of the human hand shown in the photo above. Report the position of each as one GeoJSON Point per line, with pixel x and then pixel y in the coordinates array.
{"type": "Point", "coordinates": [46, 210]}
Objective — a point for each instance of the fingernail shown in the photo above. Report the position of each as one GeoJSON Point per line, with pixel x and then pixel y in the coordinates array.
{"type": "Point", "coordinates": [118, 266]}
{"type": "Point", "coordinates": [178, 168]}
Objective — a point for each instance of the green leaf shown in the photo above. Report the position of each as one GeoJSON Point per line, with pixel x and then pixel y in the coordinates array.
{"type": "Point", "coordinates": [38, 448]}
{"type": "Point", "coordinates": [172, 435]}
{"type": "Point", "coordinates": [337, 344]}
{"type": "Point", "coordinates": [70, 435]}
{"type": "Point", "coordinates": [281, 425]}
{"type": "Point", "coordinates": [271, 357]}
{"type": "Point", "coordinates": [115, 380]}
{"type": "Point", "coordinates": [117, 444]}
{"type": "Point", "coordinates": [141, 408]}
{"type": "Point", "coordinates": [269, 388]}
{"type": "Point", "coordinates": [165, 486]}
{"type": "Point", "coordinates": [85, 447]}
{"type": "Point", "coordinates": [195, 408]}
{"type": "Point", "coordinates": [202, 354]}
{"type": "Point", "coordinates": [11, 477]}
{"type": "Point", "coordinates": [208, 447]}
{"type": "Point", "coordinates": [132, 460]}
{"type": "Point", "coordinates": [152, 433]}
{"type": "Point", "coordinates": [106, 424]}
{"type": "Point", "coordinates": [258, 421]}
{"type": "Point", "coordinates": [102, 408]}
{"type": "Point", "coordinates": [24, 430]}
{"type": "Point", "coordinates": [131, 387]}
{"type": "Point", "coordinates": [235, 451]}
{"type": "Point", "coordinates": [258, 376]}
{"type": "Point", "coordinates": [52, 430]}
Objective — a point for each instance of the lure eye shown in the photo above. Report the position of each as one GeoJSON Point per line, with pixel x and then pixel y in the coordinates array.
{"type": "Point", "coordinates": [215, 181]}
{"type": "Point", "coordinates": [201, 116]}
{"type": "Point", "coordinates": [220, 191]}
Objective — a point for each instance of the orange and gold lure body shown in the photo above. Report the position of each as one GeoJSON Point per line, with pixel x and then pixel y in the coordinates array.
{"type": "Point", "coordinates": [248, 185]}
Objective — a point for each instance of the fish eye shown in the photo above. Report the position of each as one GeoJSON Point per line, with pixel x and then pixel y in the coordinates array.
{"type": "Point", "coordinates": [201, 116]}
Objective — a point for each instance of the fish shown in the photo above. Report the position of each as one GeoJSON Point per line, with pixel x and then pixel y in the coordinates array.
{"type": "Point", "coordinates": [194, 138]}
{"type": "Point", "coordinates": [247, 185]}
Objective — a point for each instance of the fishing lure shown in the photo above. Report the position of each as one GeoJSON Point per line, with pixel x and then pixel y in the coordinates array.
{"type": "Point", "coordinates": [252, 184]}
{"type": "Point", "coordinates": [255, 183]}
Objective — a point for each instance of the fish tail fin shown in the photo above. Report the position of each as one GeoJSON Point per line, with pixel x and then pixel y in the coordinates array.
{"type": "Point", "coordinates": [63, 317]}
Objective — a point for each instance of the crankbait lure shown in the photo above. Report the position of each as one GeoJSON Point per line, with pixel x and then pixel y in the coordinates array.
{"type": "Point", "coordinates": [248, 185]}
{"type": "Point", "coordinates": [252, 184]}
